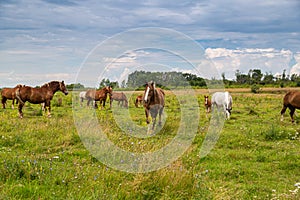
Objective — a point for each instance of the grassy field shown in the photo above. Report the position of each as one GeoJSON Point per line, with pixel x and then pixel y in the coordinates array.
{"type": "Point", "coordinates": [256, 157]}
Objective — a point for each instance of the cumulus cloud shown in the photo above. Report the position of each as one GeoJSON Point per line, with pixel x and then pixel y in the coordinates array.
{"type": "Point", "coordinates": [295, 68]}
{"type": "Point", "coordinates": [269, 60]}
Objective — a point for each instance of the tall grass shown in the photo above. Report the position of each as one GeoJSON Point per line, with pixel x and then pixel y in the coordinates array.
{"type": "Point", "coordinates": [256, 156]}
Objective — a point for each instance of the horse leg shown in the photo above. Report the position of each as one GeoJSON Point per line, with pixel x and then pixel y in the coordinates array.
{"type": "Point", "coordinates": [153, 115]}
{"type": "Point", "coordinates": [147, 115]}
{"type": "Point", "coordinates": [282, 112]}
{"type": "Point", "coordinates": [3, 102]}
{"type": "Point", "coordinates": [292, 110]}
{"type": "Point", "coordinates": [225, 111]}
{"type": "Point", "coordinates": [81, 101]}
{"type": "Point", "coordinates": [95, 104]}
{"type": "Point", "coordinates": [47, 104]}
{"type": "Point", "coordinates": [103, 105]}
{"type": "Point", "coordinates": [12, 105]}
{"type": "Point", "coordinates": [20, 109]}
{"type": "Point", "coordinates": [159, 116]}
{"type": "Point", "coordinates": [154, 122]}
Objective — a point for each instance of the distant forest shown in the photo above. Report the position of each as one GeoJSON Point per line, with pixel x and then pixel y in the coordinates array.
{"type": "Point", "coordinates": [180, 80]}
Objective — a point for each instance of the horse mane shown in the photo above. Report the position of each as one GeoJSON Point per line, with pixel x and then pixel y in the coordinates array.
{"type": "Point", "coordinates": [49, 83]}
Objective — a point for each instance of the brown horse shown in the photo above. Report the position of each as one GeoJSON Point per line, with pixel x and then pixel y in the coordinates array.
{"type": "Point", "coordinates": [98, 95]}
{"type": "Point", "coordinates": [44, 94]}
{"type": "Point", "coordinates": [138, 101]}
{"type": "Point", "coordinates": [120, 97]}
{"type": "Point", "coordinates": [292, 101]}
{"type": "Point", "coordinates": [154, 102]}
{"type": "Point", "coordinates": [9, 93]}
{"type": "Point", "coordinates": [207, 104]}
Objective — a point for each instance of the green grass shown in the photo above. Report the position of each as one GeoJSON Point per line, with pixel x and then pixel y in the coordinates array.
{"type": "Point", "coordinates": [256, 156]}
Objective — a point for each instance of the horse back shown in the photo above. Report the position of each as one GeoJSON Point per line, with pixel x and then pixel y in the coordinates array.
{"type": "Point", "coordinates": [7, 93]}
{"type": "Point", "coordinates": [292, 98]}
{"type": "Point", "coordinates": [90, 94]}
{"type": "Point", "coordinates": [161, 96]}
{"type": "Point", "coordinates": [34, 95]}
{"type": "Point", "coordinates": [222, 98]}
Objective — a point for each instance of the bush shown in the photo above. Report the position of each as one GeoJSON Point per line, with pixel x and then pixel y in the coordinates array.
{"type": "Point", "coordinates": [255, 88]}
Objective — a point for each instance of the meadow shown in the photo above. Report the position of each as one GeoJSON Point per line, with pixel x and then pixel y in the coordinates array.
{"type": "Point", "coordinates": [256, 156]}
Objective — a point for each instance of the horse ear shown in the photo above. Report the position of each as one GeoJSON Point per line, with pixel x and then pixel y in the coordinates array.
{"type": "Point", "coordinates": [62, 82]}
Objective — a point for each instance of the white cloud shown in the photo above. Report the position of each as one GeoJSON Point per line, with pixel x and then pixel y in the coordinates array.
{"type": "Point", "coordinates": [268, 60]}
{"type": "Point", "coordinates": [295, 69]}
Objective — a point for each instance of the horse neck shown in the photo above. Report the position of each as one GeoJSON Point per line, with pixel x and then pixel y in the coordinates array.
{"type": "Point", "coordinates": [53, 86]}
{"type": "Point", "coordinates": [155, 96]}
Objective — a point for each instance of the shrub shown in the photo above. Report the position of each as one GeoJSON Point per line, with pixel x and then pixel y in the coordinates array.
{"type": "Point", "coordinates": [255, 88]}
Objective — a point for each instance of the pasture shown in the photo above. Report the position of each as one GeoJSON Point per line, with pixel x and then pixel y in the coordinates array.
{"type": "Point", "coordinates": [256, 157]}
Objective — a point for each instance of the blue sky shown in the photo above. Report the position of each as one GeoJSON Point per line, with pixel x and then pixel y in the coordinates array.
{"type": "Point", "coordinates": [44, 40]}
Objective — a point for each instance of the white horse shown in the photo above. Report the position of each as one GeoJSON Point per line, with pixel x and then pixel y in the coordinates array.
{"type": "Point", "coordinates": [222, 100]}
{"type": "Point", "coordinates": [82, 97]}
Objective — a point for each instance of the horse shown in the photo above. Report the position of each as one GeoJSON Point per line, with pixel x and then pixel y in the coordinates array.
{"type": "Point", "coordinates": [207, 104]}
{"type": "Point", "coordinates": [44, 94]}
{"type": "Point", "coordinates": [98, 95]}
{"type": "Point", "coordinates": [120, 97]}
{"type": "Point", "coordinates": [291, 100]}
{"type": "Point", "coordinates": [82, 97]}
{"type": "Point", "coordinates": [222, 100]}
{"type": "Point", "coordinates": [138, 101]}
{"type": "Point", "coordinates": [154, 102]}
{"type": "Point", "coordinates": [9, 93]}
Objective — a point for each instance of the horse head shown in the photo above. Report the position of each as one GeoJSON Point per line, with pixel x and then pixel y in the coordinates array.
{"type": "Point", "coordinates": [63, 88]}
{"type": "Point", "coordinates": [206, 99]}
{"type": "Point", "coordinates": [108, 90]}
{"type": "Point", "coordinates": [149, 91]}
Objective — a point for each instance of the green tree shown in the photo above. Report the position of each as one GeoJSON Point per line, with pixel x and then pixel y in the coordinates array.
{"type": "Point", "coordinates": [104, 83]}
{"type": "Point", "coordinates": [256, 76]}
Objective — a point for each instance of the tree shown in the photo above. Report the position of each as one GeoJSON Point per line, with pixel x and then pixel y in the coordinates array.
{"type": "Point", "coordinates": [256, 76]}
{"type": "Point", "coordinates": [104, 83]}
{"type": "Point", "coordinates": [268, 78]}
{"type": "Point", "coordinates": [114, 84]}
{"type": "Point", "coordinates": [75, 86]}
{"type": "Point", "coordinates": [241, 78]}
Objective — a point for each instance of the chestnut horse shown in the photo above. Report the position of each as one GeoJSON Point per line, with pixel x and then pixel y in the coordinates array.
{"type": "Point", "coordinates": [120, 97]}
{"type": "Point", "coordinates": [292, 101]}
{"type": "Point", "coordinates": [138, 101]}
{"type": "Point", "coordinates": [207, 104]}
{"type": "Point", "coordinates": [44, 94]}
{"type": "Point", "coordinates": [9, 93]}
{"type": "Point", "coordinates": [98, 95]}
{"type": "Point", "coordinates": [154, 102]}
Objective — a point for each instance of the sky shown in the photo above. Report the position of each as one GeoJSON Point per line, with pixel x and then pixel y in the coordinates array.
{"type": "Point", "coordinates": [87, 40]}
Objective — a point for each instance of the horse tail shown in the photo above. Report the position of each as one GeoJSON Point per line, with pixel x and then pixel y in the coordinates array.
{"type": "Point", "coordinates": [18, 95]}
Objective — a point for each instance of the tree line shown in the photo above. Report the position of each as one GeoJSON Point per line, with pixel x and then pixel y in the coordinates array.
{"type": "Point", "coordinates": [256, 77]}
{"type": "Point", "coordinates": [137, 79]}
